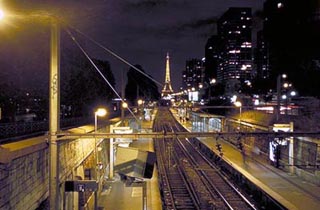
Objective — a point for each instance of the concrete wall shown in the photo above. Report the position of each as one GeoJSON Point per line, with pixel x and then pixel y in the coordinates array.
{"type": "Point", "coordinates": [24, 171]}
{"type": "Point", "coordinates": [24, 181]}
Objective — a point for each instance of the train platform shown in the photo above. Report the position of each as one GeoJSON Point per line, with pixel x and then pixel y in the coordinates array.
{"type": "Point", "coordinates": [120, 196]}
{"type": "Point", "coordinates": [288, 189]}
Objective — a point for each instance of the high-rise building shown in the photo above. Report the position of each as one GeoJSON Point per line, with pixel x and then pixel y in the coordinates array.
{"type": "Point", "coordinates": [292, 31]}
{"type": "Point", "coordinates": [212, 55]}
{"type": "Point", "coordinates": [262, 57]}
{"type": "Point", "coordinates": [192, 76]}
{"type": "Point", "coordinates": [234, 31]}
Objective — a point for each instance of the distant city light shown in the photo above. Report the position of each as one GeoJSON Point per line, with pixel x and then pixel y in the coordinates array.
{"type": "Point", "coordinates": [212, 81]}
{"type": "Point", "coordinates": [280, 5]}
{"type": "Point", "coordinates": [233, 98]}
{"type": "Point", "coordinates": [293, 93]}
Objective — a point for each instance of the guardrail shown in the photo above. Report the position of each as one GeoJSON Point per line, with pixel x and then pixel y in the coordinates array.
{"type": "Point", "coordinates": [8, 130]}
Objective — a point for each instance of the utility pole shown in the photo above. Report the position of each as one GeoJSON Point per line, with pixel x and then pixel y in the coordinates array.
{"type": "Point", "coordinates": [122, 97]}
{"type": "Point", "coordinates": [54, 110]}
{"type": "Point", "coordinates": [278, 96]}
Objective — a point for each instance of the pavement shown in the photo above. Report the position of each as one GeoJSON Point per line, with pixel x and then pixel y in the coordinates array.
{"type": "Point", "coordinates": [290, 190]}
{"type": "Point", "coordinates": [119, 196]}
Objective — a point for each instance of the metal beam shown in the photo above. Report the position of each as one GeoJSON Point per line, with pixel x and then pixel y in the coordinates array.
{"type": "Point", "coordinates": [68, 136]}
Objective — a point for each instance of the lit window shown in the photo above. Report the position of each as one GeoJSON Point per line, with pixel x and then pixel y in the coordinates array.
{"type": "Point", "coordinates": [246, 45]}
{"type": "Point", "coordinates": [244, 26]}
{"type": "Point", "coordinates": [234, 51]}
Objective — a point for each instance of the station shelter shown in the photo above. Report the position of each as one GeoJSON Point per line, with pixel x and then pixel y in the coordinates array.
{"type": "Point", "coordinates": [202, 122]}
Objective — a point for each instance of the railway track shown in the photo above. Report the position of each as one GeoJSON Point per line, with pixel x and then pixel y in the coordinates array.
{"type": "Point", "coordinates": [187, 179]}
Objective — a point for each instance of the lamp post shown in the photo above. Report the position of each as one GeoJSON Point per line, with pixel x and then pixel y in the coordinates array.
{"type": "Point", "coordinates": [239, 104]}
{"type": "Point", "coordinates": [279, 94]}
{"type": "Point", "coordinates": [140, 113]}
{"type": "Point", "coordinates": [124, 105]}
{"type": "Point", "coordinates": [54, 105]}
{"type": "Point", "coordinates": [54, 109]}
{"type": "Point", "coordinates": [101, 112]}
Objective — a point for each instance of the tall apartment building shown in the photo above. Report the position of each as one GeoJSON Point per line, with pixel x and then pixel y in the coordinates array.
{"type": "Point", "coordinates": [234, 32]}
{"type": "Point", "coordinates": [262, 57]}
{"type": "Point", "coordinates": [193, 75]}
{"type": "Point", "coordinates": [292, 31]}
{"type": "Point", "coordinates": [212, 57]}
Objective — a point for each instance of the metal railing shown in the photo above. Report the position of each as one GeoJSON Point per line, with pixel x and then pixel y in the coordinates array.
{"type": "Point", "coordinates": [8, 130]}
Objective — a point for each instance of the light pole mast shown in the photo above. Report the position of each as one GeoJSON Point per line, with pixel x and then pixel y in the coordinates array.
{"type": "Point", "coordinates": [278, 97]}
{"type": "Point", "coordinates": [54, 110]}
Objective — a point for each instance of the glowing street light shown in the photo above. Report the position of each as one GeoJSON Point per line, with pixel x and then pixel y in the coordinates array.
{"type": "Point", "coordinates": [2, 15]}
{"type": "Point", "coordinates": [293, 93]}
{"type": "Point", "coordinates": [54, 104]}
{"type": "Point", "coordinates": [124, 105]}
{"type": "Point", "coordinates": [239, 104]}
{"type": "Point", "coordinates": [101, 112]}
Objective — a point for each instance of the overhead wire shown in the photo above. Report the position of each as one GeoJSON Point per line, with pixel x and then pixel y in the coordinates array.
{"type": "Point", "coordinates": [116, 55]}
{"type": "Point", "coordinates": [97, 69]}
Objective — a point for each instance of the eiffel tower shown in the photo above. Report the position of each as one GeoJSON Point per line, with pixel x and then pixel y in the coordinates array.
{"type": "Point", "coordinates": [167, 89]}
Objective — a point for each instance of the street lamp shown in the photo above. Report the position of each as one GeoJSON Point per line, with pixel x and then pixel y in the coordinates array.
{"type": "Point", "coordinates": [283, 76]}
{"type": "Point", "coordinates": [1, 14]}
{"type": "Point", "coordinates": [239, 104]}
{"type": "Point", "coordinates": [140, 108]}
{"type": "Point", "coordinates": [101, 112]}
{"type": "Point", "coordinates": [124, 105]}
{"type": "Point", "coordinates": [54, 107]}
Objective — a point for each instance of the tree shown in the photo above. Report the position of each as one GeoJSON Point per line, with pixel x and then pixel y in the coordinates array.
{"type": "Point", "coordinates": [140, 86]}
{"type": "Point", "coordinates": [86, 89]}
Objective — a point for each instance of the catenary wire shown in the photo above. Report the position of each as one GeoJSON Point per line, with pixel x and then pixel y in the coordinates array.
{"type": "Point", "coordinates": [116, 55]}
{"type": "Point", "coordinates": [97, 69]}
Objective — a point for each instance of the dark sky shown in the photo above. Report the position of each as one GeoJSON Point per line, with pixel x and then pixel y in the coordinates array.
{"type": "Point", "coordinates": [141, 31]}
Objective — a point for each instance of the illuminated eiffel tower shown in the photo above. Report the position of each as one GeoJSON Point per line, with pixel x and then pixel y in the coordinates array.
{"type": "Point", "coordinates": [167, 89]}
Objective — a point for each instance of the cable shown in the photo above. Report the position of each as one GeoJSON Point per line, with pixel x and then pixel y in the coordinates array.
{"type": "Point", "coordinates": [98, 70]}
{"type": "Point", "coordinates": [116, 56]}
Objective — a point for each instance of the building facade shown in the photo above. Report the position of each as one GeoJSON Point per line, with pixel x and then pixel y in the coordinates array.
{"type": "Point", "coordinates": [262, 57]}
{"type": "Point", "coordinates": [212, 58]}
{"type": "Point", "coordinates": [193, 75]}
{"type": "Point", "coordinates": [234, 31]}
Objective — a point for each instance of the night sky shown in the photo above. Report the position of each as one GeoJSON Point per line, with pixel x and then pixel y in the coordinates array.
{"type": "Point", "coordinates": [141, 31]}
